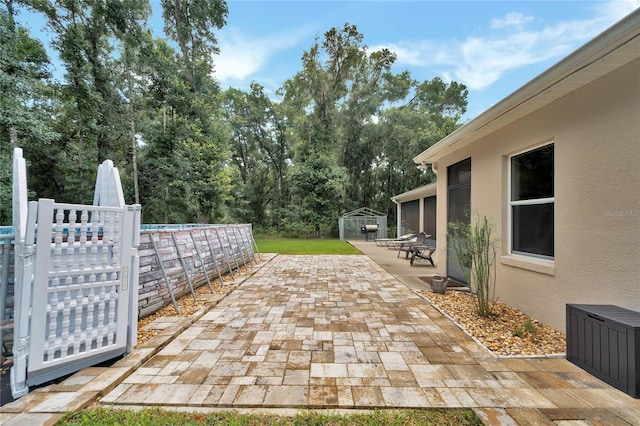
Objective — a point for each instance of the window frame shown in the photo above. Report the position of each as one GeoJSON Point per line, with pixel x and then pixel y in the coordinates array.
{"type": "Point", "coordinates": [535, 201]}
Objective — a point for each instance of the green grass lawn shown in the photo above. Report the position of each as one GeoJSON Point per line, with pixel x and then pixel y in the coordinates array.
{"type": "Point", "coordinates": [304, 246]}
{"type": "Point", "coordinates": [156, 416]}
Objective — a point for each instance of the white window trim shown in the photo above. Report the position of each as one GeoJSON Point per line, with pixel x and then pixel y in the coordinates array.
{"type": "Point", "coordinates": [517, 258]}
{"type": "Point", "coordinates": [530, 263]}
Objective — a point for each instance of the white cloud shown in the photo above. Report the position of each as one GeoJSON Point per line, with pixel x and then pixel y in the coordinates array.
{"type": "Point", "coordinates": [511, 20]}
{"type": "Point", "coordinates": [514, 41]}
{"type": "Point", "coordinates": [412, 54]}
{"type": "Point", "coordinates": [615, 10]}
{"type": "Point", "coordinates": [242, 56]}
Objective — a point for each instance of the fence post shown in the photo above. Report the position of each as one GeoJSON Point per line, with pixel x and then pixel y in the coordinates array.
{"type": "Point", "coordinates": [23, 253]}
{"type": "Point", "coordinates": [4, 282]}
{"type": "Point", "coordinates": [132, 276]}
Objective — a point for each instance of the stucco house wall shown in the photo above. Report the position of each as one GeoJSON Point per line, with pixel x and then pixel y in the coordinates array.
{"type": "Point", "coordinates": [595, 130]}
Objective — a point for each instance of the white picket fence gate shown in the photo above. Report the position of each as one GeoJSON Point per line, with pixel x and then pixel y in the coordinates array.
{"type": "Point", "coordinates": [76, 280]}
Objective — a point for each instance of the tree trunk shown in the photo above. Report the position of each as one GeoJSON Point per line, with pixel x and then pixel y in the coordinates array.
{"type": "Point", "coordinates": [134, 142]}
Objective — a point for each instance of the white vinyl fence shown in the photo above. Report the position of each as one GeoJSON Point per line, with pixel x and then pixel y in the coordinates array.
{"type": "Point", "coordinates": [76, 280]}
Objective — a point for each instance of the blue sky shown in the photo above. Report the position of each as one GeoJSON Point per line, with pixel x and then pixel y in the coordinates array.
{"type": "Point", "coordinates": [493, 47]}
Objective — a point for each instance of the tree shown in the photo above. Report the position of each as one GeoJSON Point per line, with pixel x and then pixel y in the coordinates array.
{"type": "Point", "coordinates": [342, 133]}
{"type": "Point", "coordinates": [91, 118]}
{"type": "Point", "coordinates": [187, 140]}
{"type": "Point", "coordinates": [430, 111]}
{"type": "Point", "coordinates": [128, 21]}
{"type": "Point", "coordinates": [24, 104]}
{"type": "Point", "coordinates": [260, 151]}
{"type": "Point", "coordinates": [366, 122]}
{"type": "Point", "coordinates": [316, 185]}
{"type": "Point", "coordinates": [24, 77]}
{"type": "Point", "coordinates": [189, 23]}
{"type": "Point", "coordinates": [322, 83]}
{"type": "Point", "coordinates": [373, 87]}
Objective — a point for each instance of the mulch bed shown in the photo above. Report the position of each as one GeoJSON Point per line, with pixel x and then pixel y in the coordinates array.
{"type": "Point", "coordinates": [186, 305]}
{"type": "Point", "coordinates": [507, 331]}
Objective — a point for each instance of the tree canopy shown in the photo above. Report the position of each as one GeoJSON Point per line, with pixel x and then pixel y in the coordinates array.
{"type": "Point", "coordinates": [338, 135]}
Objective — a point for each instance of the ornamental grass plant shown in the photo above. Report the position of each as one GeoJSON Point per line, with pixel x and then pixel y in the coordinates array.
{"type": "Point", "coordinates": [475, 250]}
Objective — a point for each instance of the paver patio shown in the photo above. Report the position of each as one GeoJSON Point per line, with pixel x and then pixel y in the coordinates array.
{"type": "Point", "coordinates": [341, 332]}
{"type": "Point", "coordinates": [336, 332]}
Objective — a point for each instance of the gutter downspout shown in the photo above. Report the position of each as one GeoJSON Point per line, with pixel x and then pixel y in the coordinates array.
{"type": "Point", "coordinates": [398, 218]}
{"type": "Point", "coordinates": [434, 168]}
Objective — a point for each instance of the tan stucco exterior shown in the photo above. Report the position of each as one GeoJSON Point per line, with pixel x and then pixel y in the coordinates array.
{"type": "Point", "coordinates": [595, 128]}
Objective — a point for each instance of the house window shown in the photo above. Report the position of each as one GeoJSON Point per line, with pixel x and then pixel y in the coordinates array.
{"type": "Point", "coordinates": [458, 210]}
{"type": "Point", "coordinates": [531, 202]}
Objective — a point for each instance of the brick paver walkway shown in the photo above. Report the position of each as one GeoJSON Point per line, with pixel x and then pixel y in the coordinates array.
{"type": "Point", "coordinates": [340, 332]}
{"type": "Point", "coordinates": [334, 332]}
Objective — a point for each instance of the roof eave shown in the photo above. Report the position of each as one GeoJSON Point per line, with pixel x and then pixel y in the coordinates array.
{"type": "Point", "coordinates": [552, 84]}
{"type": "Point", "coordinates": [422, 191]}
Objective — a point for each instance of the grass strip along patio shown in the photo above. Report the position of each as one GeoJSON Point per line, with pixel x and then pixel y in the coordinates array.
{"type": "Point", "coordinates": [156, 416]}
{"type": "Point", "coordinates": [304, 246]}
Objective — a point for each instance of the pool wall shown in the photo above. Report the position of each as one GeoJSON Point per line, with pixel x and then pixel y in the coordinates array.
{"type": "Point", "coordinates": [221, 248]}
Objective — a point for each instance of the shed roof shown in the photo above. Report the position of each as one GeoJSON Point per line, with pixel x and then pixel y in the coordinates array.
{"type": "Point", "coordinates": [363, 211]}
{"type": "Point", "coordinates": [615, 47]}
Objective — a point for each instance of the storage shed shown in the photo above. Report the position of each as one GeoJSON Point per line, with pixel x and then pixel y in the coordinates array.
{"type": "Point", "coordinates": [362, 224]}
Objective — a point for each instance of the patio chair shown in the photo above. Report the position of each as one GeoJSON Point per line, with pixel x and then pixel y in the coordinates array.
{"type": "Point", "coordinates": [423, 251]}
{"type": "Point", "coordinates": [392, 242]}
{"type": "Point", "coordinates": [406, 246]}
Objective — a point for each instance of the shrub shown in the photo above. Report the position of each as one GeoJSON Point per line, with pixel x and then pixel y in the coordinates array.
{"type": "Point", "coordinates": [475, 251]}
